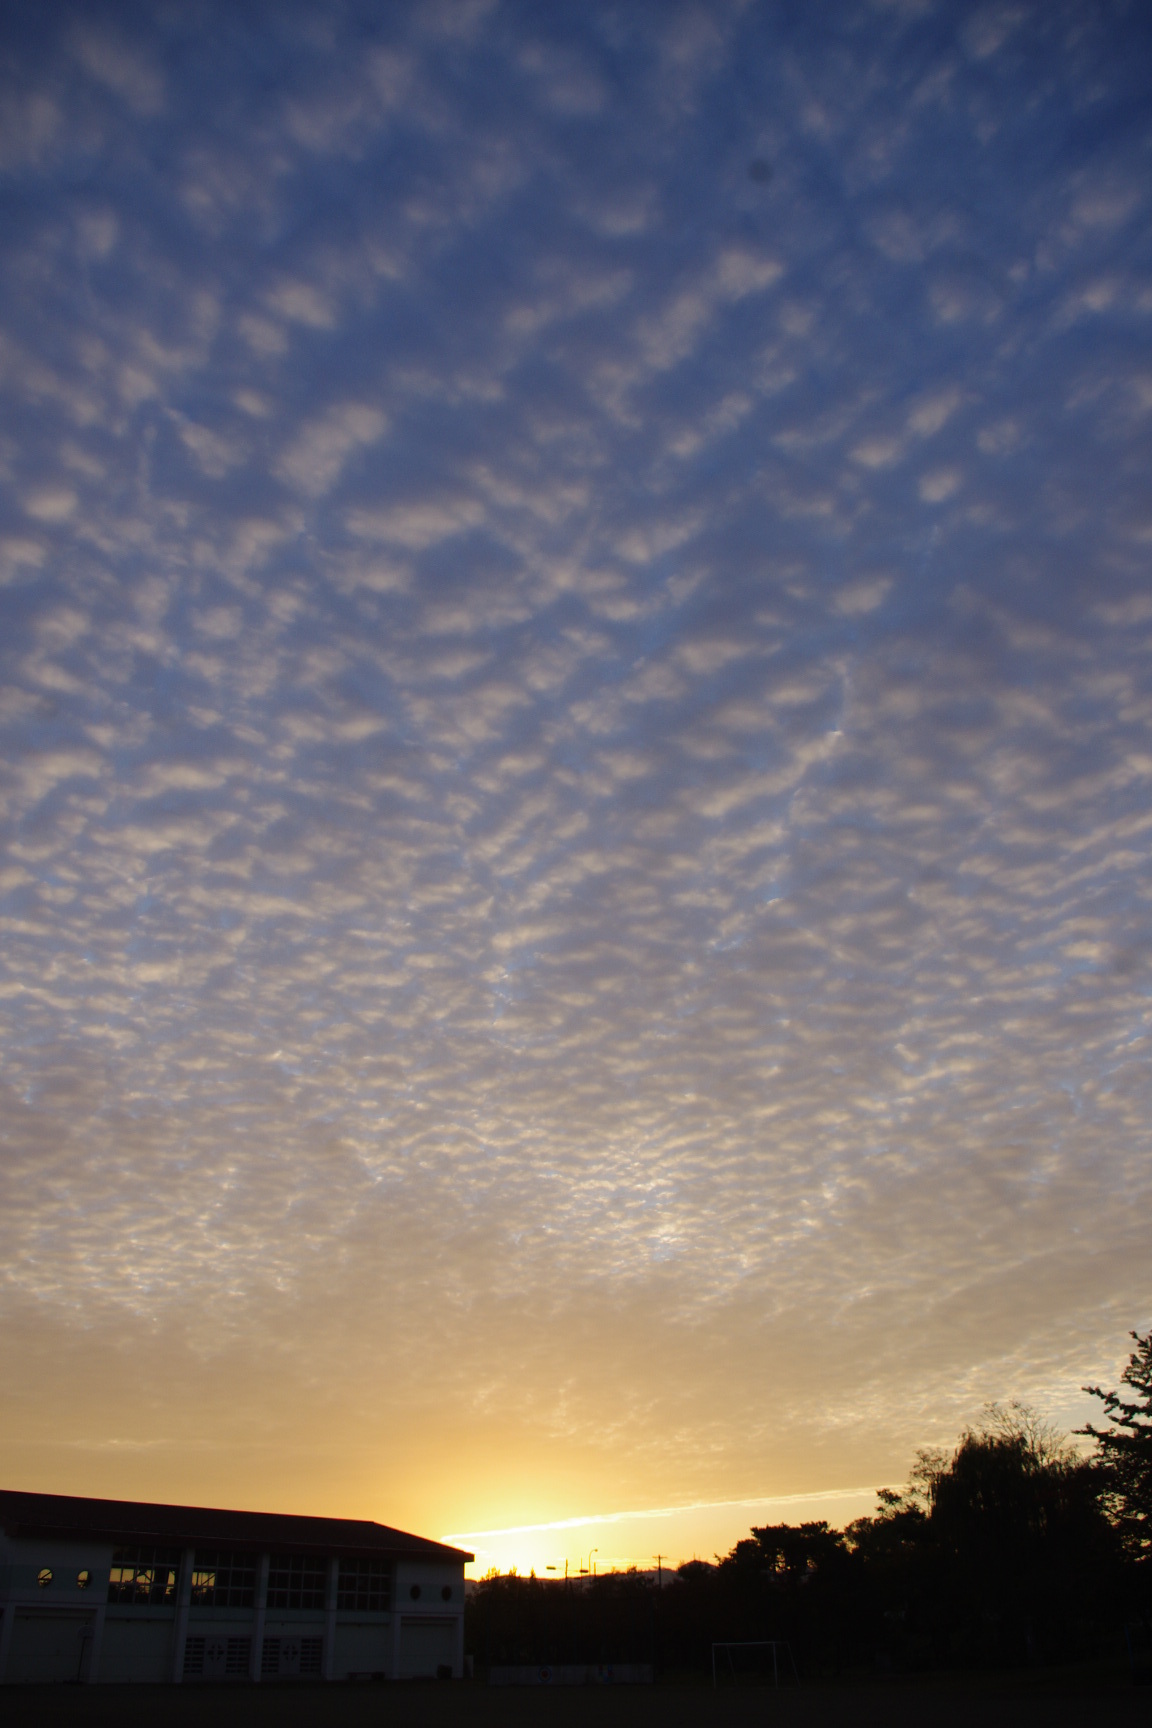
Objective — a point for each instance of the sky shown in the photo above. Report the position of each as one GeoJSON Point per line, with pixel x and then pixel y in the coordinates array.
{"type": "Point", "coordinates": [575, 679]}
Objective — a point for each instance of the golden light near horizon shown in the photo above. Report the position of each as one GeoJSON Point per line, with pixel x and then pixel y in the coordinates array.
{"type": "Point", "coordinates": [575, 797]}
{"type": "Point", "coordinates": [582, 1546]}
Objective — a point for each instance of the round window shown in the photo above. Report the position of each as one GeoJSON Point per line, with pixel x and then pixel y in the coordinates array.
{"type": "Point", "coordinates": [414, 1592]}
{"type": "Point", "coordinates": [83, 1579]}
{"type": "Point", "coordinates": [44, 1577]}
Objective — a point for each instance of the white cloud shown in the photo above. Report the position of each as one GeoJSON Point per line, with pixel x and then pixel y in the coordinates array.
{"type": "Point", "coordinates": [18, 556]}
{"type": "Point", "coordinates": [417, 526]}
{"type": "Point", "coordinates": [670, 335]}
{"type": "Point", "coordinates": [121, 65]}
{"type": "Point", "coordinates": [703, 655]}
{"type": "Point", "coordinates": [878, 452]}
{"type": "Point", "coordinates": [314, 460]}
{"type": "Point", "coordinates": [30, 125]}
{"type": "Point", "coordinates": [302, 303]}
{"type": "Point", "coordinates": [645, 541]}
{"type": "Point", "coordinates": [51, 504]}
{"type": "Point", "coordinates": [933, 412]}
{"type": "Point", "coordinates": [856, 599]}
{"type": "Point", "coordinates": [989, 27]}
{"type": "Point", "coordinates": [213, 453]}
{"type": "Point", "coordinates": [567, 83]}
{"type": "Point", "coordinates": [939, 485]}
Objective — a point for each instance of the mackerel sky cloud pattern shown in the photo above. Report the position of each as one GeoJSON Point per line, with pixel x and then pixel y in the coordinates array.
{"type": "Point", "coordinates": [576, 766]}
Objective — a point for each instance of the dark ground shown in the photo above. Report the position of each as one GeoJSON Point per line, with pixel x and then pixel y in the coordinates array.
{"type": "Point", "coordinates": [1051, 1698]}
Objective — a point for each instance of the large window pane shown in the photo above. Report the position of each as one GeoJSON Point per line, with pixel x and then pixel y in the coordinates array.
{"type": "Point", "coordinates": [144, 1576]}
{"type": "Point", "coordinates": [365, 1585]}
{"type": "Point", "coordinates": [296, 1581]}
{"type": "Point", "coordinates": [221, 1580]}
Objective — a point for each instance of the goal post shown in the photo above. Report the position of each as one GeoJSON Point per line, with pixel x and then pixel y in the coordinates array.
{"type": "Point", "coordinates": [724, 1661]}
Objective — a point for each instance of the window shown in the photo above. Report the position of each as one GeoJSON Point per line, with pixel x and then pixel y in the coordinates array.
{"type": "Point", "coordinates": [365, 1585]}
{"type": "Point", "coordinates": [44, 1577]}
{"type": "Point", "coordinates": [83, 1579]}
{"type": "Point", "coordinates": [223, 1580]}
{"type": "Point", "coordinates": [144, 1576]}
{"type": "Point", "coordinates": [296, 1581]}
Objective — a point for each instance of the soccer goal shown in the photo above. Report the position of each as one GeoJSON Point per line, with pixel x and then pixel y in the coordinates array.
{"type": "Point", "coordinates": [752, 1659]}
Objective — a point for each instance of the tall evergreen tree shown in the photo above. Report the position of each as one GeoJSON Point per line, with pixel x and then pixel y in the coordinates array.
{"type": "Point", "coordinates": [1126, 1451]}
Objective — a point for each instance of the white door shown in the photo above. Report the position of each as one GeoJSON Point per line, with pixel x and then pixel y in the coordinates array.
{"type": "Point", "coordinates": [48, 1647]}
{"type": "Point", "coordinates": [427, 1645]}
{"type": "Point", "coordinates": [216, 1656]}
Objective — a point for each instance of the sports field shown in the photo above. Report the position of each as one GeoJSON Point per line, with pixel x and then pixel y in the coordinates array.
{"type": "Point", "coordinates": [1051, 1699]}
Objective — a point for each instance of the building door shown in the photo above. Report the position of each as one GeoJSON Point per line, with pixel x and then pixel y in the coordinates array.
{"type": "Point", "coordinates": [215, 1656]}
{"type": "Point", "coordinates": [292, 1658]}
{"type": "Point", "coordinates": [48, 1646]}
{"type": "Point", "coordinates": [427, 1646]}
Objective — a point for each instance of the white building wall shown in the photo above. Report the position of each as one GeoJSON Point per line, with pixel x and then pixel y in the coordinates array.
{"type": "Point", "coordinates": [21, 1562]}
{"type": "Point", "coordinates": [363, 1647]}
{"type": "Point", "coordinates": [50, 1646]}
{"type": "Point", "coordinates": [65, 1631]}
{"type": "Point", "coordinates": [50, 1632]}
{"type": "Point", "coordinates": [137, 1646]}
{"type": "Point", "coordinates": [429, 1608]}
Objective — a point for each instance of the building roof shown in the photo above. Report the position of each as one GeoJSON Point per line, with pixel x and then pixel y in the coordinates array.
{"type": "Point", "coordinates": [137, 1523]}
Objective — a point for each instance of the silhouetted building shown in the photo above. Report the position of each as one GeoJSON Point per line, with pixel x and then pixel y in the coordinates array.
{"type": "Point", "coordinates": [120, 1590]}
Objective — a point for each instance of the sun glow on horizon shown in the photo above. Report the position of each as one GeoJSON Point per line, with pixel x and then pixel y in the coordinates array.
{"type": "Point", "coordinates": [702, 1529]}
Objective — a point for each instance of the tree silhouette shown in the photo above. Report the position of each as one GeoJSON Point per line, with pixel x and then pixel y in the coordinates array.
{"type": "Point", "coordinates": [1009, 1548]}
{"type": "Point", "coordinates": [996, 1552]}
{"type": "Point", "coordinates": [1126, 1452]}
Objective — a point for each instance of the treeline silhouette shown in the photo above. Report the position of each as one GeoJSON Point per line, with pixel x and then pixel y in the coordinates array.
{"type": "Point", "coordinates": [1014, 1548]}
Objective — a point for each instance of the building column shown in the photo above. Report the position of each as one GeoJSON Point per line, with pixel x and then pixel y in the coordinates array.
{"type": "Point", "coordinates": [98, 1617]}
{"type": "Point", "coordinates": [330, 1618]}
{"type": "Point", "coordinates": [256, 1656]}
{"type": "Point", "coordinates": [183, 1603]}
{"type": "Point", "coordinates": [396, 1618]}
{"type": "Point", "coordinates": [458, 1661]}
{"type": "Point", "coordinates": [7, 1621]}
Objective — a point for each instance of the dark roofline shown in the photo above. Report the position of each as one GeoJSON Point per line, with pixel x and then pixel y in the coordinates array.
{"type": "Point", "coordinates": [134, 1523]}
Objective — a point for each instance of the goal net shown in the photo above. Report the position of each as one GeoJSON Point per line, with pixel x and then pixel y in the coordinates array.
{"type": "Point", "coordinates": [762, 1661]}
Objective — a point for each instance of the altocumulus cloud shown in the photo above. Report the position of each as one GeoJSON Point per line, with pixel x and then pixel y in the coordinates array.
{"type": "Point", "coordinates": [576, 768]}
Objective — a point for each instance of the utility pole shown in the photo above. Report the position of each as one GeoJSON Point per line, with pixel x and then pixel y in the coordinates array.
{"type": "Point", "coordinates": [656, 1611]}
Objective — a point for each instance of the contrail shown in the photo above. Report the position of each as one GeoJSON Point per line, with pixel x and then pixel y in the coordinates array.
{"type": "Point", "coordinates": [663, 1512]}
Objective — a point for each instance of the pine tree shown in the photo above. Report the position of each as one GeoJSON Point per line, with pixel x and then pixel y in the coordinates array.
{"type": "Point", "coordinates": [1126, 1451]}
